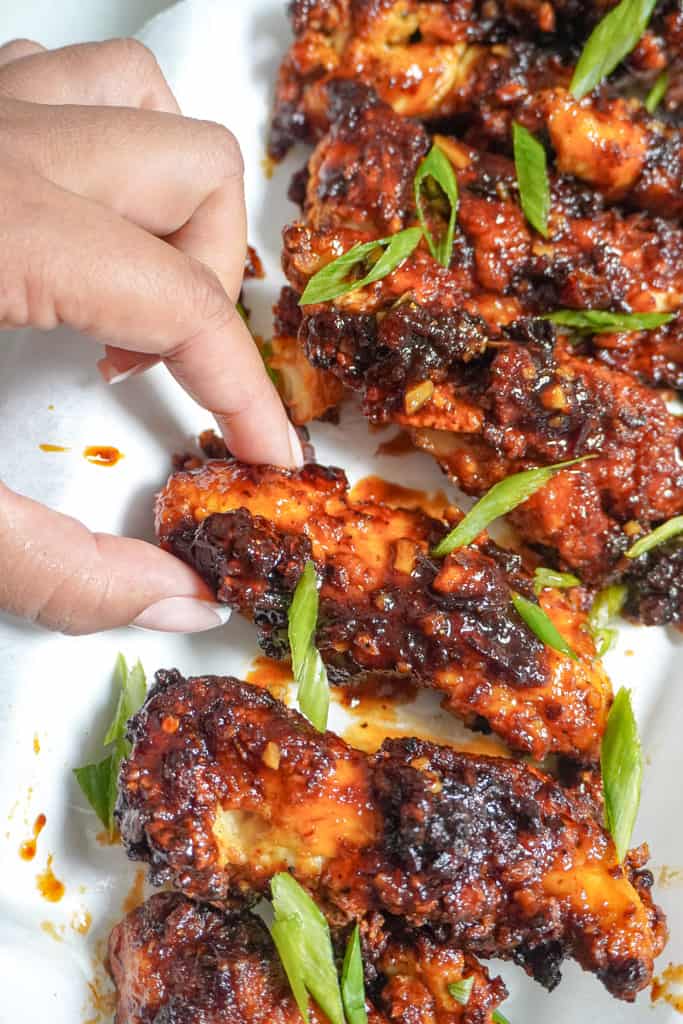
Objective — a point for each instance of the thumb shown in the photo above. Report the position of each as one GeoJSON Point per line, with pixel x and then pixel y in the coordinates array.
{"type": "Point", "coordinates": [55, 572]}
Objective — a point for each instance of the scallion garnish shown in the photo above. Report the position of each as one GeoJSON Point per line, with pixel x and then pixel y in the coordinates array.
{"type": "Point", "coordinates": [333, 280]}
{"type": "Point", "coordinates": [542, 625]}
{"type": "Point", "coordinates": [532, 177]}
{"type": "Point", "coordinates": [302, 939]}
{"type": "Point", "coordinates": [501, 499]}
{"type": "Point", "coordinates": [498, 1018]}
{"type": "Point", "coordinates": [606, 606]}
{"type": "Point", "coordinates": [435, 178]}
{"type": "Point", "coordinates": [611, 40]}
{"type": "Point", "coordinates": [307, 665]}
{"type": "Point", "coordinates": [657, 92]}
{"type": "Point", "coordinates": [353, 981]}
{"type": "Point", "coordinates": [622, 769]}
{"type": "Point", "coordinates": [461, 990]}
{"type": "Point", "coordinates": [551, 579]}
{"type": "Point", "coordinates": [600, 321]}
{"type": "Point", "coordinates": [671, 528]}
{"type": "Point", "coordinates": [99, 781]}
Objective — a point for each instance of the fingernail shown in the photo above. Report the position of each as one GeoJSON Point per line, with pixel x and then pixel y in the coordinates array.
{"type": "Point", "coordinates": [182, 615]}
{"type": "Point", "coordinates": [111, 375]}
{"type": "Point", "coordinates": [295, 448]}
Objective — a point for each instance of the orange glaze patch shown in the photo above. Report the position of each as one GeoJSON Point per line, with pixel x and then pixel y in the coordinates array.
{"type": "Point", "coordinates": [27, 850]}
{"type": "Point", "coordinates": [81, 921]}
{"type": "Point", "coordinates": [53, 448]}
{"type": "Point", "coordinates": [136, 894]}
{"type": "Point", "coordinates": [36, 744]}
{"type": "Point", "coordinates": [400, 444]}
{"type": "Point", "coordinates": [274, 676]}
{"type": "Point", "coordinates": [102, 454]}
{"type": "Point", "coordinates": [374, 489]}
{"type": "Point", "coordinates": [369, 735]}
{"type": "Point", "coordinates": [107, 838]}
{"type": "Point", "coordinates": [55, 932]}
{"type": "Point", "coordinates": [661, 991]}
{"type": "Point", "coordinates": [48, 885]}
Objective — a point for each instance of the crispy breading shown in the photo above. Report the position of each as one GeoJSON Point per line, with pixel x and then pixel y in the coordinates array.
{"type": "Point", "coordinates": [225, 786]}
{"type": "Point", "coordinates": [181, 961]}
{"type": "Point", "coordinates": [385, 604]}
{"type": "Point", "coordinates": [456, 355]}
{"type": "Point", "coordinates": [440, 60]}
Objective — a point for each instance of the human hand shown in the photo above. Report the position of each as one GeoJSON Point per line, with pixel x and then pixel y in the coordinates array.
{"type": "Point", "coordinates": [126, 221]}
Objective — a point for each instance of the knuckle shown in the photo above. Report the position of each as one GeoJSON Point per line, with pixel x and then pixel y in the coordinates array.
{"type": "Point", "coordinates": [135, 56]}
{"type": "Point", "coordinates": [222, 148]}
{"type": "Point", "coordinates": [208, 296]}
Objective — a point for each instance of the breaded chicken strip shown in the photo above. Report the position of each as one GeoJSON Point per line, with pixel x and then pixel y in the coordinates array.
{"type": "Point", "coordinates": [386, 605]}
{"type": "Point", "coordinates": [225, 786]}
{"type": "Point", "coordinates": [184, 962]}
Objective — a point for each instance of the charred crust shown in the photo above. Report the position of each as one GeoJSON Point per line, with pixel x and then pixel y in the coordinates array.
{"type": "Point", "coordinates": [655, 582]}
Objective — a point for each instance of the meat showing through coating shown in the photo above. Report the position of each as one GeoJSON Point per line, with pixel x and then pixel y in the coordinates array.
{"type": "Point", "coordinates": [385, 604]}
{"type": "Point", "coordinates": [225, 787]}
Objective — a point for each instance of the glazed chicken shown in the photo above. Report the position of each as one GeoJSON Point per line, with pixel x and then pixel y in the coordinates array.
{"type": "Point", "coordinates": [444, 60]}
{"type": "Point", "coordinates": [456, 356]}
{"type": "Point", "coordinates": [183, 962]}
{"type": "Point", "coordinates": [225, 786]}
{"type": "Point", "coordinates": [386, 605]}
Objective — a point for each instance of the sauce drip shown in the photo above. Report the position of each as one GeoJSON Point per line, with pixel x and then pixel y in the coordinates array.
{"type": "Point", "coordinates": [36, 744]}
{"type": "Point", "coordinates": [671, 976]}
{"type": "Point", "coordinates": [400, 444]}
{"type": "Point", "coordinates": [374, 489]}
{"type": "Point", "coordinates": [27, 850]}
{"type": "Point", "coordinates": [50, 887]}
{"type": "Point", "coordinates": [274, 676]}
{"type": "Point", "coordinates": [53, 448]}
{"type": "Point", "coordinates": [102, 455]}
{"type": "Point", "coordinates": [136, 894]}
{"type": "Point", "coordinates": [81, 921]}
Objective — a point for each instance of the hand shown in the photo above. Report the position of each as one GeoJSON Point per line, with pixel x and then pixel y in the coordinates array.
{"type": "Point", "coordinates": [126, 221]}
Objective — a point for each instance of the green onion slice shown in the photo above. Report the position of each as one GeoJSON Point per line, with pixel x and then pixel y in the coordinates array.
{"type": "Point", "coordinates": [333, 280]}
{"type": "Point", "coordinates": [671, 528]}
{"type": "Point", "coordinates": [611, 40]}
{"type": "Point", "coordinates": [99, 781]}
{"type": "Point", "coordinates": [307, 665]}
{"type": "Point", "coordinates": [435, 177]}
{"type": "Point", "coordinates": [551, 579]}
{"type": "Point", "coordinates": [353, 981]}
{"type": "Point", "coordinates": [302, 939]}
{"type": "Point", "coordinates": [461, 990]}
{"type": "Point", "coordinates": [622, 769]}
{"type": "Point", "coordinates": [532, 177]}
{"type": "Point", "coordinates": [501, 499]}
{"type": "Point", "coordinates": [498, 1018]}
{"type": "Point", "coordinates": [657, 92]}
{"type": "Point", "coordinates": [539, 623]}
{"type": "Point", "coordinates": [606, 606]}
{"type": "Point", "coordinates": [600, 321]}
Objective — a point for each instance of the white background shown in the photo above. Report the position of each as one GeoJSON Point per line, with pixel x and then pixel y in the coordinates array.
{"type": "Point", "coordinates": [220, 57]}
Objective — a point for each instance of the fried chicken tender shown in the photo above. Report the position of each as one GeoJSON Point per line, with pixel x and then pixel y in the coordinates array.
{"type": "Point", "coordinates": [183, 962]}
{"type": "Point", "coordinates": [225, 786]}
{"type": "Point", "coordinates": [385, 604]}
{"type": "Point", "coordinates": [456, 355]}
{"type": "Point", "coordinates": [445, 60]}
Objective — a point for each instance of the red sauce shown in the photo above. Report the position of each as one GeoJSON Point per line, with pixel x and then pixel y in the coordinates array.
{"type": "Point", "coordinates": [400, 444]}
{"type": "Point", "coordinates": [27, 850]}
{"type": "Point", "coordinates": [102, 455]}
{"type": "Point", "coordinates": [50, 887]}
{"type": "Point", "coordinates": [374, 489]}
{"type": "Point", "coordinates": [53, 448]}
{"type": "Point", "coordinates": [274, 676]}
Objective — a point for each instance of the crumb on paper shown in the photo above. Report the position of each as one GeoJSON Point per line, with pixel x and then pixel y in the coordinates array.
{"type": "Point", "coordinates": [55, 931]}
{"type": "Point", "coordinates": [669, 877]}
{"type": "Point", "coordinates": [81, 921]}
{"type": "Point", "coordinates": [668, 987]}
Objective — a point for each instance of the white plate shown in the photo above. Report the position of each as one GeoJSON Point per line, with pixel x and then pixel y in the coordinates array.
{"type": "Point", "coordinates": [221, 60]}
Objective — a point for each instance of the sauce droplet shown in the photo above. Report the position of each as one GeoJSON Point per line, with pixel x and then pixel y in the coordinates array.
{"type": "Point", "coordinates": [274, 676]}
{"type": "Point", "coordinates": [36, 744]}
{"type": "Point", "coordinates": [50, 887]}
{"type": "Point", "coordinates": [53, 448]}
{"type": "Point", "coordinates": [27, 850]}
{"type": "Point", "coordinates": [81, 921]}
{"type": "Point", "coordinates": [102, 454]}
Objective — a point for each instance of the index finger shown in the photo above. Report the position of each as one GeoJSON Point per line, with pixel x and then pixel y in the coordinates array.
{"type": "Point", "coordinates": [109, 278]}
